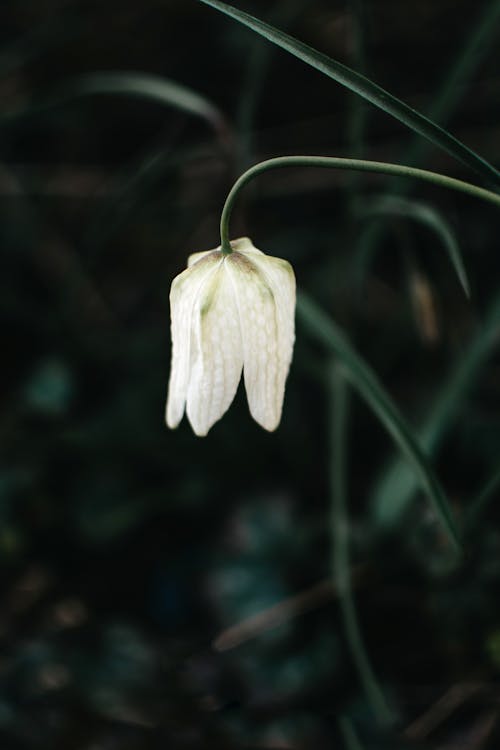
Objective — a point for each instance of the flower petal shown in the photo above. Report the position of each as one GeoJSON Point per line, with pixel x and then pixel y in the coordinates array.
{"type": "Point", "coordinates": [217, 351]}
{"type": "Point", "coordinates": [265, 292]}
{"type": "Point", "coordinates": [195, 257]}
{"type": "Point", "coordinates": [184, 291]}
{"type": "Point", "coordinates": [245, 245]}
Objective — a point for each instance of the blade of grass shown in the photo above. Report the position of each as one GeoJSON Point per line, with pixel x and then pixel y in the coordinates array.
{"type": "Point", "coordinates": [480, 502]}
{"type": "Point", "coordinates": [148, 86]}
{"type": "Point", "coordinates": [459, 75]}
{"type": "Point", "coordinates": [349, 735]}
{"type": "Point", "coordinates": [339, 420]}
{"type": "Point", "coordinates": [392, 205]}
{"type": "Point", "coordinates": [128, 83]}
{"type": "Point", "coordinates": [363, 379]}
{"type": "Point", "coordinates": [395, 488]}
{"type": "Point", "coordinates": [445, 101]}
{"type": "Point", "coordinates": [365, 88]}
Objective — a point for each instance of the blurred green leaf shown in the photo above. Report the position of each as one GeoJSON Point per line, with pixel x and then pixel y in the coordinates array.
{"type": "Point", "coordinates": [395, 487]}
{"type": "Point", "coordinates": [147, 86]}
{"type": "Point", "coordinates": [349, 734]}
{"type": "Point", "coordinates": [362, 377]}
{"type": "Point", "coordinates": [132, 84]}
{"type": "Point", "coordinates": [445, 100]}
{"type": "Point", "coordinates": [392, 205]}
{"type": "Point", "coordinates": [339, 423]}
{"type": "Point", "coordinates": [478, 504]}
{"type": "Point", "coordinates": [469, 58]}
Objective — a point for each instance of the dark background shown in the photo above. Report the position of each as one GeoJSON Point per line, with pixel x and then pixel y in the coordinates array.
{"type": "Point", "coordinates": [128, 550]}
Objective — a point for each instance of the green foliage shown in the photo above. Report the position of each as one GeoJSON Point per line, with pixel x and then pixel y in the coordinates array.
{"type": "Point", "coordinates": [247, 590]}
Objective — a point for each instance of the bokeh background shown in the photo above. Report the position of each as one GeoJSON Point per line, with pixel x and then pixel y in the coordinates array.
{"type": "Point", "coordinates": [164, 591]}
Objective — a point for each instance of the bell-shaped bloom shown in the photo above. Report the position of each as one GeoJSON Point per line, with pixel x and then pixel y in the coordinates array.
{"type": "Point", "coordinates": [230, 312]}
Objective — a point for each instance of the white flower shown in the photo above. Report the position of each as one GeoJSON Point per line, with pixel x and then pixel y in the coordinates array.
{"type": "Point", "coordinates": [230, 312]}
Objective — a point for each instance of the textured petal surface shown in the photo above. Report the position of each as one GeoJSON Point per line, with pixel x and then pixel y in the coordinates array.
{"type": "Point", "coordinates": [216, 350]}
{"type": "Point", "coordinates": [184, 292]}
{"type": "Point", "coordinates": [265, 294]}
{"type": "Point", "coordinates": [245, 245]}
{"type": "Point", "coordinates": [195, 257]}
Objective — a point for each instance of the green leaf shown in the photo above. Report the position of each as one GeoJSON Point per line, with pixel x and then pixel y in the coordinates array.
{"type": "Point", "coordinates": [348, 733]}
{"type": "Point", "coordinates": [147, 86]}
{"type": "Point", "coordinates": [142, 85]}
{"type": "Point", "coordinates": [395, 488]}
{"type": "Point", "coordinates": [480, 502]}
{"type": "Point", "coordinates": [364, 380]}
{"type": "Point", "coordinates": [459, 76]}
{"type": "Point", "coordinates": [425, 214]}
{"type": "Point", "coordinates": [445, 101]}
{"type": "Point", "coordinates": [365, 88]}
{"type": "Point", "coordinates": [339, 427]}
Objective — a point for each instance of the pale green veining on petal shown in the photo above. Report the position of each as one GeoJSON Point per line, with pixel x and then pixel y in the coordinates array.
{"type": "Point", "coordinates": [218, 356]}
{"type": "Point", "coordinates": [231, 312]}
{"type": "Point", "coordinates": [183, 295]}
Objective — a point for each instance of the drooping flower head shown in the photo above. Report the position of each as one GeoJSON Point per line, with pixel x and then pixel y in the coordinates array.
{"type": "Point", "coordinates": [230, 312]}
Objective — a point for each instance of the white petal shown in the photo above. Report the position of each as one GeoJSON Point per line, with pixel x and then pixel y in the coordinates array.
{"type": "Point", "coordinates": [195, 257]}
{"type": "Point", "coordinates": [265, 291]}
{"type": "Point", "coordinates": [216, 352]}
{"type": "Point", "coordinates": [183, 295]}
{"type": "Point", "coordinates": [244, 245]}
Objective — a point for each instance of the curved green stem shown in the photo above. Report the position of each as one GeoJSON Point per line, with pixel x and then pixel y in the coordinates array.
{"type": "Point", "coordinates": [334, 162]}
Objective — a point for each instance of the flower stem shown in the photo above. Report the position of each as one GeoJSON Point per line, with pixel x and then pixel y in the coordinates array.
{"type": "Point", "coordinates": [226, 245]}
{"type": "Point", "coordinates": [334, 162]}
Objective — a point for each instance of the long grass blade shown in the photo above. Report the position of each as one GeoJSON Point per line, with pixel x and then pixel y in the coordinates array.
{"type": "Point", "coordinates": [366, 88]}
{"type": "Point", "coordinates": [364, 380]}
{"type": "Point", "coordinates": [480, 502]}
{"type": "Point", "coordinates": [458, 77]}
{"type": "Point", "coordinates": [396, 486]}
{"type": "Point", "coordinates": [444, 103]}
{"type": "Point", "coordinates": [423, 213]}
{"type": "Point", "coordinates": [147, 86]}
{"type": "Point", "coordinates": [349, 735]}
{"type": "Point", "coordinates": [339, 421]}
{"type": "Point", "coordinates": [124, 83]}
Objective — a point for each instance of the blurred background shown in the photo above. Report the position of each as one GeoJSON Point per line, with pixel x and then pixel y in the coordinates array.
{"type": "Point", "coordinates": [164, 591]}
